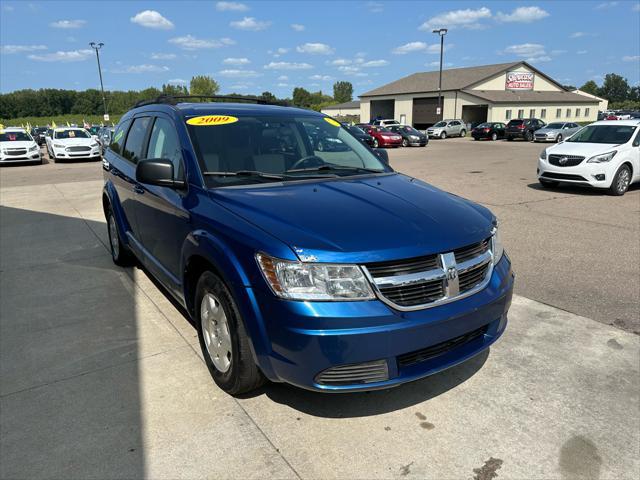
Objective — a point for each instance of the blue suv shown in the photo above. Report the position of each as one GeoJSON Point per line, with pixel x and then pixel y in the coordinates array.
{"type": "Point", "coordinates": [299, 261]}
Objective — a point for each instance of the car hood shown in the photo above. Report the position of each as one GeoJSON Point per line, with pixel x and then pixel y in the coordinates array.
{"type": "Point", "coordinates": [360, 219]}
{"type": "Point", "coordinates": [18, 144]}
{"type": "Point", "coordinates": [583, 149]}
{"type": "Point", "coordinates": [548, 130]}
{"type": "Point", "coordinates": [73, 142]}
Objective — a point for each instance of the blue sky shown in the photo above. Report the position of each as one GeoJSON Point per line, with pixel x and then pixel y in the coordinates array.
{"type": "Point", "coordinates": [250, 47]}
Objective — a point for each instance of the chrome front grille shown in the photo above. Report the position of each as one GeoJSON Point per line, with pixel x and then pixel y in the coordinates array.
{"type": "Point", "coordinates": [356, 373]}
{"type": "Point", "coordinates": [565, 160]}
{"type": "Point", "coordinates": [16, 151]}
{"type": "Point", "coordinates": [423, 282]}
{"type": "Point", "coordinates": [78, 149]}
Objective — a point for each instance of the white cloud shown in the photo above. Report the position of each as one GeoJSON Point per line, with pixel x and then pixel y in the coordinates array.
{"type": "Point", "coordinates": [144, 68]}
{"type": "Point", "coordinates": [283, 78]}
{"type": "Point", "coordinates": [437, 64]}
{"type": "Point", "coordinates": [523, 15]}
{"type": "Point", "coordinates": [375, 7]}
{"type": "Point", "coordinates": [605, 5]}
{"type": "Point", "coordinates": [324, 78]}
{"type": "Point", "coordinates": [297, 27]}
{"type": "Point", "coordinates": [189, 42]}
{"type": "Point", "coordinates": [409, 48]}
{"type": "Point", "coordinates": [526, 50]}
{"type": "Point", "coordinates": [9, 49]}
{"type": "Point", "coordinates": [250, 23]}
{"type": "Point", "coordinates": [177, 81]}
{"type": "Point", "coordinates": [68, 24]}
{"type": "Point", "coordinates": [287, 66]}
{"type": "Point", "coordinates": [163, 56]}
{"type": "Point", "coordinates": [340, 61]}
{"type": "Point", "coordinates": [375, 63]}
{"type": "Point", "coordinates": [466, 18]}
{"type": "Point", "coordinates": [631, 58]}
{"type": "Point", "coordinates": [282, 85]}
{"type": "Point", "coordinates": [636, 7]}
{"type": "Point", "coordinates": [231, 7]}
{"type": "Point", "coordinates": [578, 35]}
{"type": "Point", "coordinates": [236, 61]}
{"type": "Point", "coordinates": [7, 8]}
{"type": "Point", "coordinates": [237, 73]}
{"type": "Point", "coordinates": [152, 19]}
{"type": "Point", "coordinates": [582, 52]}
{"type": "Point", "coordinates": [60, 56]}
{"type": "Point", "coordinates": [315, 49]}
{"type": "Point", "coordinates": [239, 86]}
{"type": "Point", "coordinates": [541, 58]}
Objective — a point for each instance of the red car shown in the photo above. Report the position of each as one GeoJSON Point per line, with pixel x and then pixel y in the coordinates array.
{"type": "Point", "coordinates": [383, 137]}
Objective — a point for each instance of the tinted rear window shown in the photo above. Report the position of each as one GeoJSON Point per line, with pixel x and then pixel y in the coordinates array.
{"type": "Point", "coordinates": [135, 139]}
{"type": "Point", "coordinates": [515, 122]}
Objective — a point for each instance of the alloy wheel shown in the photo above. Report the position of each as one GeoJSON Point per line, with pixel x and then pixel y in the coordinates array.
{"type": "Point", "coordinates": [113, 237]}
{"type": "Point", "coordinates": [623, 180]}
{"type": "Point", "coordinates": [215, 330]}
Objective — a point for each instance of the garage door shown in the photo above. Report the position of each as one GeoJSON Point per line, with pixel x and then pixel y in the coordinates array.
{"type": "Point", "coordinates": [424, 111]}
{"type": "Point", "coordinates": [382, 109]}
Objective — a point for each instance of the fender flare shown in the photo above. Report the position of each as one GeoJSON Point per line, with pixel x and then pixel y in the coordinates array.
{"type": "Point", "coordinates": [110, 195]}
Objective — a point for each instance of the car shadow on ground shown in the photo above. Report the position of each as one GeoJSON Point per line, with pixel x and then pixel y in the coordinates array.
{"type": "Point", "coordinates": [583, 190]}
{"type": "Point", "coordinates": [364, 404]}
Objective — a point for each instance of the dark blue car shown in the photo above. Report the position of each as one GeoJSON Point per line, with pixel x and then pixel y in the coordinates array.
{"type": "Point", "coordinates": [325, 268]}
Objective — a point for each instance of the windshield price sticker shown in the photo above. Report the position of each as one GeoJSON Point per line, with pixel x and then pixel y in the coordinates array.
{"type": "Point", "coordinates": [331, 121]}
{"type": "Point", "coordinates": [212, 120]}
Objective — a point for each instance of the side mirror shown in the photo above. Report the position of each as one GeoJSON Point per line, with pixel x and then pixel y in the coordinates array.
{"type": "Point", "coordinates": [382, 154]}
{"type": "Point", "coordinates": [157, 171]}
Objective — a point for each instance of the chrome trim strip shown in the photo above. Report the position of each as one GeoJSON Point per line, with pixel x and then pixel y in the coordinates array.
{"type": "Point", "coordinates": [452, 285]}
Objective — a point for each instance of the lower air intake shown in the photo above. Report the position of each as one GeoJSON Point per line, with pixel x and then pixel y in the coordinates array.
{"type": "Point", "coordinates": [355, 374]}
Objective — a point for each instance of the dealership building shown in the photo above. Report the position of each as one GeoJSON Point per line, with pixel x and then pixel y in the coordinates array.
{"type": "Point", "coordinates": [494, 93]}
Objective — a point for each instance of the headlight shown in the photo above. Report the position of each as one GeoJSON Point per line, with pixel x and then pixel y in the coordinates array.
{"type": "Point", "coordinates": [496, 247]}
{"type": "Point", "coordinates": [414, 137]}
{"type": "Point", "coordinates": [314, 281]}
{"type": "Point", "coordinates": [94, 145]}
{"type": "Point", "coordinates": [543, 154]}
{"type": "Point", "coordinates": [57, 145]}
{"type": "Point", "coordinates": [34, 148]}
{"type": "Point", "coordinates": [602, 158]}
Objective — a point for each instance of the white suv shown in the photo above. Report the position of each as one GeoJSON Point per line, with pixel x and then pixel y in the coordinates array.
{"type": "Point", "coordinates": [17, 145]}
{"type": "Point", "coordinates": [386, 122]}
{"type": "Point", "coordinates": [604, 155]}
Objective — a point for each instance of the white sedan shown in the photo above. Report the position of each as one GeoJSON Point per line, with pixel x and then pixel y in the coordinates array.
{"type": "Point", "coordinates": [71, 144]}
{"type": "Point", "coordinates": [17, 145]}
{"type": "Point", "coordinates": [603, 155]}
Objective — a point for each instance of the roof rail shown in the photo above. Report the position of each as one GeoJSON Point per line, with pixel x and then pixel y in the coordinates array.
{"type": "Point", "coordinates": [173, 99]}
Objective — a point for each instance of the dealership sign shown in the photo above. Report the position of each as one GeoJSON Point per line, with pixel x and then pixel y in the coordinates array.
{"type": "Point", "coordinates": [519, 81]}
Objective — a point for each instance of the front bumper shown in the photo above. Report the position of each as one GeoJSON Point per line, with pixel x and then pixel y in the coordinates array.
{"type": "Point", "coordinates": [94, 154]}
{"type": "Point", "coordinates": [307, 338]}
{"type": "Point", "coordinates": [598, 175]}
{"type": "Point", "coordinates": [29, 157]}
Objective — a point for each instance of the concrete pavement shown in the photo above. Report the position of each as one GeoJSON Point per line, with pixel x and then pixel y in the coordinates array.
{"type": "Point", "coordinates": [102, 377]}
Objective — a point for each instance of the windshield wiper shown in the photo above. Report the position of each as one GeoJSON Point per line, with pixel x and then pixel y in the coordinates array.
{"type": "Point", "coordinates": [335, 167]}
{"type": "Point", "coordinates": [269, 176]}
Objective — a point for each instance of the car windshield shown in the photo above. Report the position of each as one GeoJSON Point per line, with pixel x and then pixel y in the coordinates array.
{"type": "Point", "coordinates": [410, 130]}
{"type": "Point", "coordinates": [270, 149]}
{"type": "Point", "coordinates": [355, 130]}
{"type": "Point", "coordinates": [441, 124]}
{"type": "Point", "coordinates": [614, 134]}
{"type": "Point", "coordinates": [71, 133]}
{"type": "Point", "coordinates": [516, 122]}
{"type": "Point", "coordinates": [555, 126]}
{"type": "Point", "coordinates": [14, 136]}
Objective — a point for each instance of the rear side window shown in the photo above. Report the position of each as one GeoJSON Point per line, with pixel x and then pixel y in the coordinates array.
{"type": "Point", "coordinates": [135, 140]}
{"type": "Point", "coordinates": [164, 144]}
{"type": "Point", "coordinates": [118, 137]}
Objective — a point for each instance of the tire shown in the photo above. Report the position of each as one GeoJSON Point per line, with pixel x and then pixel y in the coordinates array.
{"type": "Point", "coordinates": [476, 138]}
{"type": "Point", "coordinates": [548, 183]}
{"type": "Point", "coordinates": [559, 138]}
{"type": "Point", "coordinates": [443, 135]}
{"type": "Point", "coordinates": [528, 136]}
{"type": "Point", "coordinates": [375, 143]}
{"type": "Point", "coordinates": [509, 138]}
{"type": "Point", "coordinates": [230, 362]}
{"type": "Point", "coordinates": [405, 142]}
{"type": "Point", "coordinates": [494, 136]}
{"type": "Point", "coordinates": [463, 133]}
{"type": "Point", "coordinates": [621, 181]}
{"type": "Point", "coordinates": [120, 254]}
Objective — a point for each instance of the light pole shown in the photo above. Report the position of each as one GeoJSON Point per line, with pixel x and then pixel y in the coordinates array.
{"type": "Point", "coordinates": [96, 47]}
{"type": "Point", "coordinates": [441, 32]}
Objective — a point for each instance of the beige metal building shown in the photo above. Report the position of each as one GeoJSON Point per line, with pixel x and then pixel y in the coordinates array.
{"type": "Point", "coordinates": [342, 109]}
{"type": "Point", "coordinates": [496, 93]}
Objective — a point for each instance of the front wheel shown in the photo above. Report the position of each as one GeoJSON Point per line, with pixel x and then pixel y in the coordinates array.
{"type": "Point", "coordinates": [528, 136]}
{"type": "Point", "coordinates": [405, 142]}
{"type": "Point", "coordinates": [443, 135]}
{"type": "Point", "coordinates": [494, 136]}
{"type": "Point", "coordinates": [559, 138]}
{"type": "Point", "coordinates": [223, 339]}
{"type": "Point", "coordinates": [621, 181]}
{"type": "Point", "coordinates": [463, 133]}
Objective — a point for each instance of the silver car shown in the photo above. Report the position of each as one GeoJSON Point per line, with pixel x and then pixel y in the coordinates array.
{"type": "Point", "coordinates": [556, 132]}
{"type": "Point", "coordinates": [448, 128]}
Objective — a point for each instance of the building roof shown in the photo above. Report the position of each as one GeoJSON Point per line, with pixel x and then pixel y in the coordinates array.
{"type": "Point", "coordinates": [587, 94]}
{"type": "Point", "coordinates": [508, 96]}
{"type": "Point", "coordinates": [452, 79]}
{"type": "Point", "coordinates": [352, 104]}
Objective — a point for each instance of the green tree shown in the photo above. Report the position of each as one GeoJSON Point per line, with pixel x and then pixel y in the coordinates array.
{"type": "Point", "coordinates": [569, 87]}
{"type": "Point", "coordinates": [590, 87]}
{"type": "Point", "coordinates": [615, 88]}
{"type": "Point", "coordinates": [269, 97]}
{"type": "Point", "coordinates": [342, 92]}
{"type": "Point", "coordinates": [301, 97]}
{"type": "Point", "coordinates": [170, 89]}
{"type": "Point", "coordinates": [203, 85]}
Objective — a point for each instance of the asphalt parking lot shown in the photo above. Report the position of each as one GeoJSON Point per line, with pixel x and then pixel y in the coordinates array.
{"type": "Point", "coordinates": [102, 377]}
